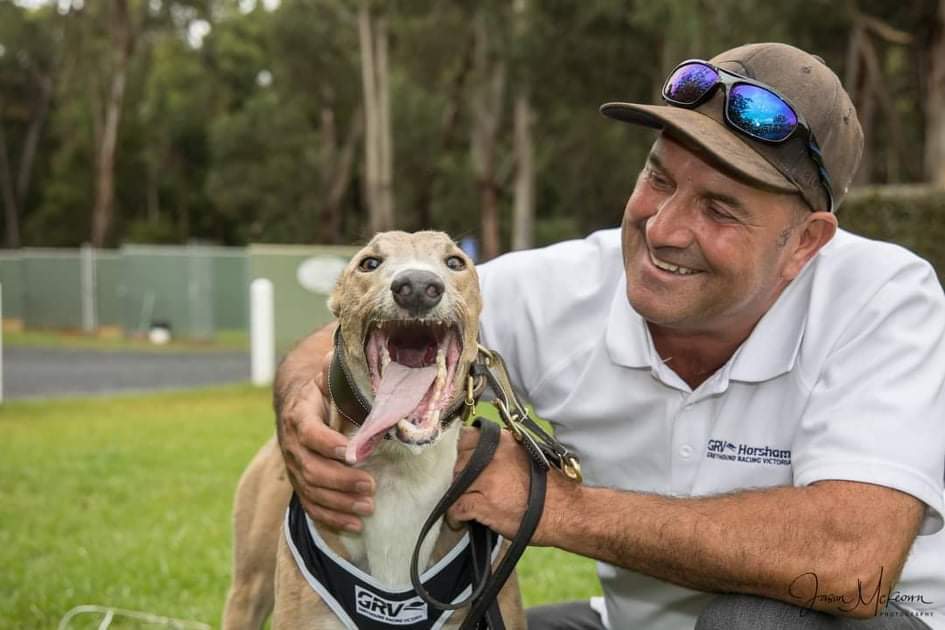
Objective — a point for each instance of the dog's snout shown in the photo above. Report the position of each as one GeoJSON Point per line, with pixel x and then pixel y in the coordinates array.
{"type": "Point", "coordinates": [417, 290]}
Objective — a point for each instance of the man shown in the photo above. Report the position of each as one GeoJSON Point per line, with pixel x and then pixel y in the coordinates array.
{"type": "Point", "coordinates": [758, 397]}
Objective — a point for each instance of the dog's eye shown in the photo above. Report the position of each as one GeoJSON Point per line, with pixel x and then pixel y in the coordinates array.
{"type": "Point", "coordinates": [369, 263]}
{"type": "Point", "coordinates": [455, 263]}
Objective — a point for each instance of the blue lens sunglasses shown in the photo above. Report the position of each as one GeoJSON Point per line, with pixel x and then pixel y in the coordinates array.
{"type": "Point", "coordinates": [751, 107]}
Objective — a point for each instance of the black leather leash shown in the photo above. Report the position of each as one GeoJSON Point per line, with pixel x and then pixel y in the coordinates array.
{"type": "Point", "coordinates": [484, 610]}
{"type": "Point", "coordinates": [545, 452]}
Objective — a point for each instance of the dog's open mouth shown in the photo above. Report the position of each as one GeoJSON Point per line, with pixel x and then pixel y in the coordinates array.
{"type": "Point", "coordinates": [412, 366]}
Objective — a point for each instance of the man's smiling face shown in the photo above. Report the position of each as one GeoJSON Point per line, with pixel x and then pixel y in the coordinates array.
{"type": "Point", "coordinates": [704, 252]}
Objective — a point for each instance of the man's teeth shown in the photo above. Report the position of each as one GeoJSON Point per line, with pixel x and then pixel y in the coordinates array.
{"type": "Point", "coordinates": [670, 267]}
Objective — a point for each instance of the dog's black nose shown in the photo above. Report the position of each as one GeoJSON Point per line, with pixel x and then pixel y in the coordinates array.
{"type": "Point", "coordinates": [417, 290]}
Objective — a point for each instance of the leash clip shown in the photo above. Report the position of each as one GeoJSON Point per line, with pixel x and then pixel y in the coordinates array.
{"type": "Point", "coordinates": [474, 385]}
{"type": "Point", "coordinates": [571, 468]}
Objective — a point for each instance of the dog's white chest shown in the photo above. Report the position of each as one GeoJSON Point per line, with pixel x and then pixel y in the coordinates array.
{"type": "Point", "coordinates": [408, 488]}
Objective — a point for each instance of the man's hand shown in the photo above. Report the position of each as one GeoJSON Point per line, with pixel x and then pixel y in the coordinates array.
{"type": "Point", "coordinates": [498, 497]}
{"type": "Point", "coordinates": [331, 492]}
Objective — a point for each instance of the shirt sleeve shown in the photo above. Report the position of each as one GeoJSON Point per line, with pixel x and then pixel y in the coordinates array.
{"type": "Point", "coordinates": [877, 409]}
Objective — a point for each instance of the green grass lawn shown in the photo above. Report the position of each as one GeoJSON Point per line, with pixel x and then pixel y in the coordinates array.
{"type": "Point", "coordinates": [126, 502]}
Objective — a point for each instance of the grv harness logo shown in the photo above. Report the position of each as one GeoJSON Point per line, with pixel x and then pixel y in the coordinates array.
{"type": "Point", "coordinates": [397, 613]}
{"type": "Point", "coordinates": [747, 454]}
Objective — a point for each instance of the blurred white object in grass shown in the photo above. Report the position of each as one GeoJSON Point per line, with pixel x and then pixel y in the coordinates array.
{"type": "Point", "coordinates": [108, 613]}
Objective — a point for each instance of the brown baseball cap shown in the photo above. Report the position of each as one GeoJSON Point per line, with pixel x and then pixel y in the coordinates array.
{"type": "Point", "coordinates": [812, 89]}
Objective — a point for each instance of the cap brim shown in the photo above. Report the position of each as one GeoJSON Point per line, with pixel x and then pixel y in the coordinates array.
{"type": "Point", "coordinates": [720, 143]}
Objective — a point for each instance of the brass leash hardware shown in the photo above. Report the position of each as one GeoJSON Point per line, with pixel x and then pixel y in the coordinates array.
{"type": "Point", "coordinates": [571, 468]}
{"type": "Point", "coordinates": [542, 447]}
{"type": "Point", "coordinates": [489, 358]}
{"type": "Point", "coordinates": [470, 401]}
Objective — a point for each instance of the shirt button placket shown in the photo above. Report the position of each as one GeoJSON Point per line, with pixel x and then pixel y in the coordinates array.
{"type": "Point", "coordinates": [681, 457]}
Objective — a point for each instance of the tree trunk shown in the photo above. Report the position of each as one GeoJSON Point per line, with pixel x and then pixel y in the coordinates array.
{"type": "Point", "coordinates": [486, 105]}
{"type": "Point", "coordinates": [935, 104]}
{"type": "Point", "coordinates": [33, 134]}
{"type": "Point", "coordinates": [153, 196]}
{"type": "Point", "coordinates": [336, 172]}
{"type": "Point", "coordinates": [11, 211]}
{"type": "Point", "coordinates": [122, 42]}
{"type": "Point", "coordinates": [524, 205]}
{"type": "Point", "coordinates": [386, 139]}
{"type": "Point", "coordinates": [489, 217]}
{"type": "Point", "coordinates": [524, 217]}
{"type": "Point", "coordinates": [857, 81]}
{"type": "Point", "coordinates": [377, 137]}
{"type": "Point", "coordinates": [449, 135]}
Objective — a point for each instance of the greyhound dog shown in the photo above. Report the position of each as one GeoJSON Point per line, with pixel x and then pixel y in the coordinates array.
{"type": "Point", "coordinates": [408, 308]}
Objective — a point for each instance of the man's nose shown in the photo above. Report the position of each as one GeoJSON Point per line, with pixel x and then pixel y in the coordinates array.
{"type": "Point", "coordinates": [417, 290]}
{"type": "Point", "coordinates": [670, 225]}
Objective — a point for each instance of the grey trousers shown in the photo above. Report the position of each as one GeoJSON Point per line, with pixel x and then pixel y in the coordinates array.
{"type": "Point", "coordinates": [730, 612]}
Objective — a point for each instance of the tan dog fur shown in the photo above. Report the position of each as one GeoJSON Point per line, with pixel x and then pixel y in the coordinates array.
{"type": "Point", "coordinates": [265, 576]}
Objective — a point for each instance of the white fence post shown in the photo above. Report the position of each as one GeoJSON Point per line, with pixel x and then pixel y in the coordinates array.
{"type": "Point", "coordinates": [262, 332]}
{"type": "Point", "coordinates": [87, 275]}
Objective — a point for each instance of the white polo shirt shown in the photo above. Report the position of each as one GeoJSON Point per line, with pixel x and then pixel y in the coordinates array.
{"type": "Point", "coordinates": [843, 378]}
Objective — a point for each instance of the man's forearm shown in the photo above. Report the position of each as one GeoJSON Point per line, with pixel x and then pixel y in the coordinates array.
{"type": "Point", "coordinates": [815, 547]}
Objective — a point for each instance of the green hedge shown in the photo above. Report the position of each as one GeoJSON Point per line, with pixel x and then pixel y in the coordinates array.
{"type": "Point", "coordinates": [912, 216]}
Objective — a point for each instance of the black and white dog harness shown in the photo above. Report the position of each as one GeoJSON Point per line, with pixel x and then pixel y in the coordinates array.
{"type": "Point", "coordinates": [363, 603]}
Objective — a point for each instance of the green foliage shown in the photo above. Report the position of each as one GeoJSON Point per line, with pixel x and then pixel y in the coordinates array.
{"type": "Point", "coordinates": [126, 502]}
{"type": "Point", "coordinates": [913, 217]}
{"type": "Point", "coordinates": [264, 167]}
{"type": "Point", "coordinates": [236, 137]}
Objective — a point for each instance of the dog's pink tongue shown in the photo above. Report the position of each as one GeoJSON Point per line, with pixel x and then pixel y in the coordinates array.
{"type": "Point", "coordinates": [400, 391]}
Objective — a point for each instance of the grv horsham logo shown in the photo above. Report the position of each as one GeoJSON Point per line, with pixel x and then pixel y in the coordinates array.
{"type": "Point", "coordinates": [396, 613]}
{"type": "Point", "coordinates": [747, 454]}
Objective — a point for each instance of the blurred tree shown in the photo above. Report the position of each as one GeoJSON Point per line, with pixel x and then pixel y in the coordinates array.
{"type": "Point", "coordinates": [178, 97]}
{"type": "Point", "coordinates": [29, 58]}
{"type": "Point", "coordinates": [378, 137]}
{"type": "Point", "coordinates": [173, 115]}
{"type": "Point", "coordinates": [122, 34]}
{"type": "Point", "coordinates": [314, 55]}
{"type": "Point", "coordinates": [227, 121]}
{"type": "Point", "coordinates": [487, 101]}
{"type": "Point", "coordinates": [935, 100]}
{"type": "Point", "coordinates": [523, 236]}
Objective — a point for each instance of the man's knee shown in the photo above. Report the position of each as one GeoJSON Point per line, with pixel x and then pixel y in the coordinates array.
{"type": "Point", "coordinates": [567, 616]}
{"type": "Point", "coordinates": [747, 612]}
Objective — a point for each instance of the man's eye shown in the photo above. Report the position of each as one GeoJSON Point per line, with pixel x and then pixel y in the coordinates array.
{"type": "Point", "coordinates": [369, 263]}
{"type": "Point", "coordinates": [658, 180]}
{"type": "Point", "coordinates": [720, 215]}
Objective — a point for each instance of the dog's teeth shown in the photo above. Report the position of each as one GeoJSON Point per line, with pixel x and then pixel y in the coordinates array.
{"type": "Point", "coordinates": [385, 358]}
{"type": "Point", "coordinates": [435, 417]}
{"type": "Point", "coordinates": [440, 375]}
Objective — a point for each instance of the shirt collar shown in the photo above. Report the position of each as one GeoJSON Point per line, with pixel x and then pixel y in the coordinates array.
{"type": "Point", "coordinates": [770, 350]}
{"type": "Point", "coordinates": [627, 337]}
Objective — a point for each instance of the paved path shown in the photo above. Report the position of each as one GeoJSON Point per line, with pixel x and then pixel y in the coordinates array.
{"type": "Point", "coordinates": [48, 372]}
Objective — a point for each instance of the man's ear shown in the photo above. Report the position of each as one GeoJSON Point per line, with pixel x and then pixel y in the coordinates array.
{"type": "Point", "coordinates": [816, 231]}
